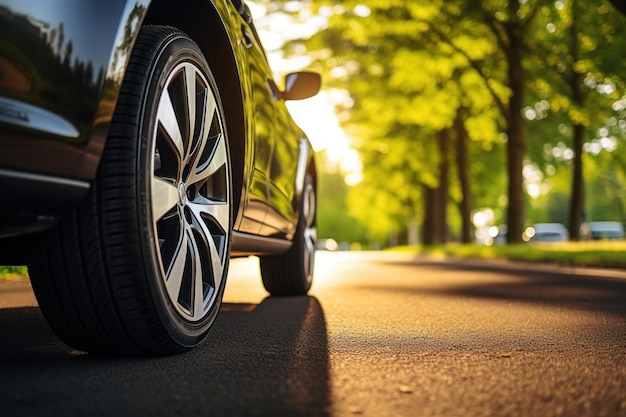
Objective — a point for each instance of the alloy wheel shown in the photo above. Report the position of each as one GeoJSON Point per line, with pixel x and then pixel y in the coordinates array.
{"type": "Point", "coordinates": [310, 229]}
{"type": "Point", "coordinates": [190, 192]}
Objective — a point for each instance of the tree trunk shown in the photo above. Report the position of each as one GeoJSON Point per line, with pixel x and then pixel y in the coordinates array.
{"type": "Point", "coordinates": [436, 199]}
{"type": "Point", "coordinates": [444, 184]}
{"type": "Point", "coordinates": [413, 232]}
{"type": "Point", "coordinates": [577, 202]}
{"type": "Point", "coordinates": [516, 211]}
{"type": "Point", "coordinates": [431, 216]}
{"type": "Point", "coordinates": [462, 162]}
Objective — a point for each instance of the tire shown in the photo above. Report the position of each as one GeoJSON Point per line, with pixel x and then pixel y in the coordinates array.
{"type": "Point", "coordinates": [291, 273]}
{"type": "Point", "coordinates": [140, 267]}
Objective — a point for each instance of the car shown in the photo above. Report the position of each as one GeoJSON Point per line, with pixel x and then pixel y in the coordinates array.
{"type": "Point", "coordinates": [606, 230]}
{"type": "Point", "coordinates": [547, 232]}
{"type": "Point", "coordinates": [142, 146]}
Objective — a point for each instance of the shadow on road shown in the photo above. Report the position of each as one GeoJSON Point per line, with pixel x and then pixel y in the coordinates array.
{"type": "Point", "coordinates": [517, 283]}
{"type": "Point", "coordinates": [265, 359]}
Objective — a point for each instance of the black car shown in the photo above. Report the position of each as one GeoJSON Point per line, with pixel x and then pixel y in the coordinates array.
{"type": "Point", "coordinates": [142, 145]}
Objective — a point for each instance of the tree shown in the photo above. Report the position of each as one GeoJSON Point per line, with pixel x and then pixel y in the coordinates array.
{"type": "Point", "coordinates": [466, 69]}
{"type": "Point", "coordinates": [462, 163]}
{"type": "Point", "coordinates": [509, 25]}
{"type": "Point", "coordinates": [579, 55]}
{"type": "Point", "coordinates": [334, 218]}
{"type": "Point", "coordinates": [407, 85]}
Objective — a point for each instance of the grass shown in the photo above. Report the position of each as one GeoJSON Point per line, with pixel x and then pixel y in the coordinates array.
{"type": "Point", "coordinates": [12, 272]}
{"type": "Point", "coordinates": [608, 254]}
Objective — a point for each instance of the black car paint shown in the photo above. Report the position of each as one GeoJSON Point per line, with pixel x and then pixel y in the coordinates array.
{"type": "Point", "coordinates": [70, 62]}
{"type": "Point", "coordinates": [65, 68]}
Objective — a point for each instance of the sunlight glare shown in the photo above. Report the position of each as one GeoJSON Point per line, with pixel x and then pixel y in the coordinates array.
{"type": "Point", "coordinates": [316, 116]}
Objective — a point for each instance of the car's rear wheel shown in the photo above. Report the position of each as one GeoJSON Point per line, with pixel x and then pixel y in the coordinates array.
{"type": "Point", "coordinates": [291, 273]}
{"type": "Point", "coordinates": [140, 268]}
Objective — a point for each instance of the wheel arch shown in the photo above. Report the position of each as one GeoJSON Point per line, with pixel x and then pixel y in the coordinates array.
{"type": "Point", "coordinates": [203, 23]}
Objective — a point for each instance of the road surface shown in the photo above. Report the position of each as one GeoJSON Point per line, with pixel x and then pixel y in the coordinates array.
{"type": "Point", "coordinates": [380, 335]}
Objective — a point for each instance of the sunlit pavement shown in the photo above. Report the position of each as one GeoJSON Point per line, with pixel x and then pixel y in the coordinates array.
{"type": "Point", "coordinates": [423, 337]}
{"type": "Point", "coordinates": [381, 335]}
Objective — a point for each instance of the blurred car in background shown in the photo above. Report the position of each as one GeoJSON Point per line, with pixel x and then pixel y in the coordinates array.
{"type": "Point", "coordinates": [606, 230]}
{"type": "Point", "coordinates": [547, 232]}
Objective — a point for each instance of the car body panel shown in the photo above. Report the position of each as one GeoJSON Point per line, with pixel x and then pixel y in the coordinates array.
{"type": "Point", "coordinates": [264, 121]}
{"type": "Point", "coordinates": [61, 67]}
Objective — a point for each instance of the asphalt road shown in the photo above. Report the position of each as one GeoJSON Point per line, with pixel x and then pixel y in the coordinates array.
{"type": "Point", "coordinates": [380, 335]}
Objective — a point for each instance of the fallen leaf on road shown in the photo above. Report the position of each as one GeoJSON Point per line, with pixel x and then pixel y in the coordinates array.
{"type": "Point", "coordinates": [405, 389]}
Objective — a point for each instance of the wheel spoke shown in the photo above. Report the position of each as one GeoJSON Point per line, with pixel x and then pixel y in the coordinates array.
{"type": "Point", "coordinates": [310, 237]}
{"type": "Point", "coordinates": [309, 206]}
{"type": "Point", "coordinates": [190, 90]}
{"type": "Point", "coordinates": [207, 161]}
{"type": "Point", "coordinates": [310, 231]}
{"type": "Point", "coordinates": [166, 117]}
{"type": "Point", "coordinates": [174, 275]}
{"type": "Point", "coordinates": [219, 213]}
{"type": "Point", "coordinates": [164, 197]}
{"type": "Point", "coordinates": [217, 263]}
{"type": "Point", "coordinates": [213, 239]}
{"type": "Point", "coordinates": [197, 304]}
{"type": "Point", "coordinates": [218, 159]}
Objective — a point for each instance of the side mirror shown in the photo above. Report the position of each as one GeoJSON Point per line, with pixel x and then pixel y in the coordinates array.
{"type": "Point", "coordinates": [301, 85]}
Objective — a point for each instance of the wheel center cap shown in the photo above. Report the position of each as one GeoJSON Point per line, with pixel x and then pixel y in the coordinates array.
{"type": "Point", "coordinates": [182, 193]}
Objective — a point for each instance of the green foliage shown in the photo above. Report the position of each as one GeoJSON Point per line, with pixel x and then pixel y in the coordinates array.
{"type": "Point", "coordinates": [589, 254]}
{"type": "Point", "coordinates": [606, 188]}
{"type": "Point", "coordinates": [406, 84]}
{"type": "Point", "coordinates": [334, 220]}
{"type": "Point", "coordinates": [577, 79]}
{"type": "Point", "coordinates": [13, 271]}
{"type": "Point", "coordinates": [409, 66]}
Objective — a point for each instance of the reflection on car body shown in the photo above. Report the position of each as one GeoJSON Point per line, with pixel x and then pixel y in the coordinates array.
{"type": "Point", "coordinates": [137, 158]}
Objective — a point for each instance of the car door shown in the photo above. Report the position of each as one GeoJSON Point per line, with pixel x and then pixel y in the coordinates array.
{"type": "Point", "coordinates": [257, 196]}
{"type": "Point", "coordinates": [288, 144]}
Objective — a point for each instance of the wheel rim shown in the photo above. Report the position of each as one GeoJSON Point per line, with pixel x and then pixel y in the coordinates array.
{"type": "Point", "coordinates": [310, 229]}
{"type": "Point", "coordinates": [190, 192]}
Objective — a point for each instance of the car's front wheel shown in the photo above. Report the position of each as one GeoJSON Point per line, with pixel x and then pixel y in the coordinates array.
{"type": "Point", "coordinates": [140, 268]}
